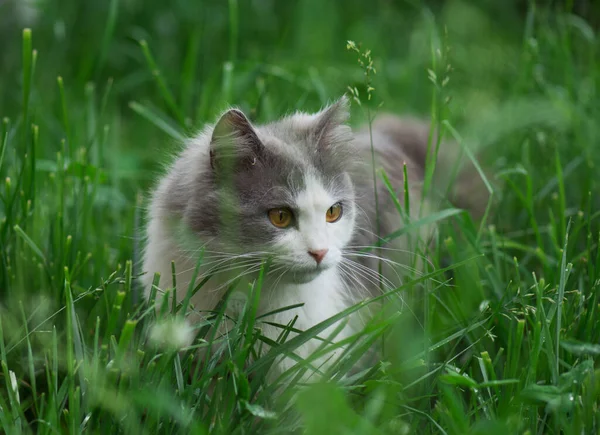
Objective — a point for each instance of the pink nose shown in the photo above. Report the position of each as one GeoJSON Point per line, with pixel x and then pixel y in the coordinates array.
{"type": "Point", "coordinates": [318, 254]}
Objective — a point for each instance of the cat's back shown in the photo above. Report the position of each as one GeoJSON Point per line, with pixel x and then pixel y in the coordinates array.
{"type": "Point", "coordinates": [396, 141]}
{"type": "Point", "coordinates": [399, 147]}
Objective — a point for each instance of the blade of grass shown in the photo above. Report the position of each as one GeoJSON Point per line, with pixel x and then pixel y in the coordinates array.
{"type": "Point", "coordinates": [162, 85]}
{"type": "Point", "coordinates": [4, 140]}
{"type": "Point", "coordinates": [233, 30]}
{"type": "Point", "coordinates": [109, 30]}
{"type": "Point", "coordinates": [27, 75]}
{"type": "Point", "coordinates": [31, 364]}
{"type": "Point", "coordinates": [159, 120]}
{"type": "Point", "coordinates": [70, 357]}
{"type": "Point", "coordinates": [65, 117]}
{"type": "Point", "coordinates": [564, 275]}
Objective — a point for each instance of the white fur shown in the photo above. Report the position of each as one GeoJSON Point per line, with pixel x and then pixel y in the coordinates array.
{"type": "Point", "coordinates": [323, 298]}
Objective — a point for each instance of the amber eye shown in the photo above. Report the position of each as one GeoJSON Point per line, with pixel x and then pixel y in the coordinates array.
{"type": "Point", "coordinates": [334, 213]}
{"type": "Point", "coordinates": [280, 217]}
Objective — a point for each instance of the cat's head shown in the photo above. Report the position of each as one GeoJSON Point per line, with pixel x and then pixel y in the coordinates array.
{"type": "Point", "coordinates": [283, 189]}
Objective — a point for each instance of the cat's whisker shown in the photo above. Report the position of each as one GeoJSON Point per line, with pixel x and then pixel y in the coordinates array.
{"type": "Point", "coordinates": [347, 255]}
{"type": "Point", "coordinates": [401, 298]}
{"type": "Point", "coordinates": [216, 268]}
{"type": "Point", "coordinates": [278, 279]}
{"type": "Point", "coordinates": [383, 247]}
{"type": "Point", "coordinates": [217, 263]}
{"type": "Point", "coordinates": [397, 295]}
{"type": "Point", "coordinates": [184, 271]}
{"type": "Point", "coordinates": [347, 275]}
{"type": "Point", "coordinates": [248, 271]}
{"type": "Point", "coordinates": [386, 248]}
{"type": "Point", "coordinates": [384, 244]}
{"type": "Point", "coordinates": [276, 269]}
{"type": "Point", "coordinates": [368, 274]}
{"type": "Point", "coordinates": [232, 267]}
{"type": "Point", "coordinates": [389, 262]}
{"type": "Point", "coordinates": [216, 258]}
{"type": "Point", "coordinates": [379, 279]}
{"type": "Point", "coordinates": [388, 286]}
{"type": "Point", "coordinates": [393, 265]}
{"type": "Point", "coordinates": [364, 272]}
{"type": "Point", "coordinates": [223, 259]}
{"type": "Point", "coordinates": [223, 255]}
{"type": "Point", "coordinates": [273, 287]}
{"type": "Point", "coordinates": [353, 278]}
{"type": "Point", "coordinates": [233, 258]}
{"type": "Point", "coordinates": [194, 254]}
{"type": "Point", "coordinates": [239, 253]}
{"type": "Point", "coordinates": [243, 263]}
{"type": "Point", "coordinates": [379, 258]}
{"type": "Point", "coordinates": [381, 239]}
{"type": "Point", "coordinates": [364, 214]}
{"type": "Point", "coordinates": [347, 270]}
{"type": "Point", "coordinates": [350, 249]}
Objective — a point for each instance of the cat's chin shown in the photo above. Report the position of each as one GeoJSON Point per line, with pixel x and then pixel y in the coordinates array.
{"type": "Point", "coordinates": [304, 277]}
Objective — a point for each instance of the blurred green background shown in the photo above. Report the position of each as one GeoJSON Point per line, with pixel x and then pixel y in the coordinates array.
{"type": "Point", "coordinates": [507, 70]}
{"type": "Point", "coordinates": [269, 58]}
{"type": "Point", "coordinates": [517, 79]}
{"type": "Point", "coordinates": [283, 56]}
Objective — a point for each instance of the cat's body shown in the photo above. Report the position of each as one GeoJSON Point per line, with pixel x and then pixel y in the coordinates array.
{"type": "Point", "coordinates": [219, 196]}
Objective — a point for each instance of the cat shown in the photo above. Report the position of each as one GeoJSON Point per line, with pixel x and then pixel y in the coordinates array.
{"type": "Point", "coordinates": [300, 192]}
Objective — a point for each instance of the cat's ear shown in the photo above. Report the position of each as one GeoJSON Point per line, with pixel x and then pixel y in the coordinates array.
{"type": "Point", "coordinates": [234, 138]}
{"type": "Point", "coordinates": [330, 124]}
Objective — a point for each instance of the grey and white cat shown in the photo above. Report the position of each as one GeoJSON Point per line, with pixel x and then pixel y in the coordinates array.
{"type": "Point", "coordinates": [298, 190]}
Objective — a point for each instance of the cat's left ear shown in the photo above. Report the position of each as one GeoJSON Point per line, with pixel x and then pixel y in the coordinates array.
{"type": "Point", "coordinates": [330, 127]}
{"type": "Point", "coordinates": [234, 137]}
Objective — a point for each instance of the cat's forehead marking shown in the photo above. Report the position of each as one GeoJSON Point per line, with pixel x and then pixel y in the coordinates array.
{"type": "Point", "coordinates": [314, 196]}
{"type": "Point", "coordinates": [287, 152]}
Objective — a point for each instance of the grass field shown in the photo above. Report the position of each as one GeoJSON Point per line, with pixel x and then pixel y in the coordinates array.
{"type": "Point", "coordinates": [95, 95]}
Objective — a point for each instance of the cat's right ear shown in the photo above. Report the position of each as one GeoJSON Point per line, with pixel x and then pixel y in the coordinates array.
{"type": "Point", "coordinates": [234, 138]}
{"type": "Point", "coordinates": [330, 127]}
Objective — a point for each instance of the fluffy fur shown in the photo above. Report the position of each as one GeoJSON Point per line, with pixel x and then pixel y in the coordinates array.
{"type": "Point", "coordinates": [215, 199]}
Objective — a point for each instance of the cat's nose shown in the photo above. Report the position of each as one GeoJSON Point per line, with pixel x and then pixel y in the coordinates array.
{"type": "Point", "coordinates": [318, 254]}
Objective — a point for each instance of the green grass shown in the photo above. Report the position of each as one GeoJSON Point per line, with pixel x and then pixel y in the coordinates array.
{"type": "Point", "coordinates": [95, 97]}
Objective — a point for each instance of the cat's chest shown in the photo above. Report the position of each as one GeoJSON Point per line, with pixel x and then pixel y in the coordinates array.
{"type": "Point", "coordinates": [313, 302]}
{"type": "Point", "coordinates": [304, 304]}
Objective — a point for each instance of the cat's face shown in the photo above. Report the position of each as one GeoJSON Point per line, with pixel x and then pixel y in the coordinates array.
{"type": "Point", "coordinates": [308, 234]}
{"type": "Point", "coordinates": [282, 190]}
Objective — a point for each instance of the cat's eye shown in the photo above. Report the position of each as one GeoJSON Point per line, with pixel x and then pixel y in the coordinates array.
{"type": "Point", "coordinates": [334, 213]}
{"type": "Point", "coordinates": [280, 217]}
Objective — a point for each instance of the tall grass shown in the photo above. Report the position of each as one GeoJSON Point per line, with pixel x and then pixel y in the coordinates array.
{"type": "Point", "coordinates": [502, 336]}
